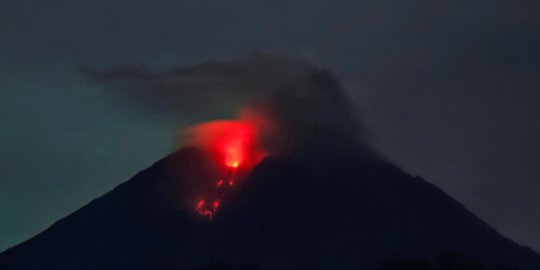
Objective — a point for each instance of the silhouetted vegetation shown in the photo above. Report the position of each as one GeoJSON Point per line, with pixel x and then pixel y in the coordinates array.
{"type": "Point", "coordinates": [404, 264]}
{"type": "Point", "coordinates": [451, 260]}
{"type": "Point", "coordinates": [215, 266]}
{"type": "Point", "coordinates": [446, 260]}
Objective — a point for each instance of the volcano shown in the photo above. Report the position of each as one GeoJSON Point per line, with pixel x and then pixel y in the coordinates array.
{"type": "Point", "coordinates": [314, 212]}
{"type": "Point", "coordinates": [322, 200]}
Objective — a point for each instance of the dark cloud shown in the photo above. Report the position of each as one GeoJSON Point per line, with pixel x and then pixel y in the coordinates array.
{"type": "Point", "coordinates": [211, 90]}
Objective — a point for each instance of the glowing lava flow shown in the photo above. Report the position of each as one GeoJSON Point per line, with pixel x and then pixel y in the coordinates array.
{"type": "Point", "coordinates": [232, 146]}
{"type": "Point", "coordinates": [208, 207]}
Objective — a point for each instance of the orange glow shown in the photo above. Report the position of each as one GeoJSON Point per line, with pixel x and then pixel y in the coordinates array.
{"type": "Point", "coordinates": [236, 143]}
{"type": "Point", "coordinates": [231, 143]}
{"type": "Point", "coordinates": [234, 147]}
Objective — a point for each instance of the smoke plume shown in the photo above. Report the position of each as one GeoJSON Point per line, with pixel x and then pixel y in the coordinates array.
{"type": "Point", "coordinates": [296, 101]}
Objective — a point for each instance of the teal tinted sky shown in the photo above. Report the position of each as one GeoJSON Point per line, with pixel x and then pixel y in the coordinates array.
{"type": "Point", "coordinates": [449, 91]}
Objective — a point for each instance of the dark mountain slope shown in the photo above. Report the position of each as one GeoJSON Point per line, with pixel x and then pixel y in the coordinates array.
{"type": "Point", "coordinates": [331, 208]}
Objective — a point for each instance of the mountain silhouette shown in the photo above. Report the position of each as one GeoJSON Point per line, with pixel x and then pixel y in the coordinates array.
{"type": "Point", "coordinates": [330, 208]}
{"type": "Point", "coordinates": [328, 203]}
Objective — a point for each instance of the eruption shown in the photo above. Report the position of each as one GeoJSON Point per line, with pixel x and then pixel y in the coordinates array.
{"type": "Point", "coordinates": [233, 148]}
{"type": "Point", "coordinates": [284, 105]}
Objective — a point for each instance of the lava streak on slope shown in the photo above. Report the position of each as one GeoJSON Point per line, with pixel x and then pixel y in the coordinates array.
{"type": "Point", "coordinates": [209, 205]}
{"type": "Point", "coordinates": [233, 148]}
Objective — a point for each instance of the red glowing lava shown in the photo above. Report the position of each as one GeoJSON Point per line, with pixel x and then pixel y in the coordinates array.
{"type": "Point", "coordinates": [231, 143]}
{"type": "Point", "coordinates": [209, 205]}
{"type": "Point", "coordinates": [233, 146]}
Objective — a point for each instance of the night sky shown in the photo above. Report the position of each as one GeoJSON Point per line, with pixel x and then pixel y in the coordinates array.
{"type": "Point", "coordinates": [449, 91]}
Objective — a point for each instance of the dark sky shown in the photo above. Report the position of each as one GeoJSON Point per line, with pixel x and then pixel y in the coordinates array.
{"type": "Point", "coordinates": [450, 90]}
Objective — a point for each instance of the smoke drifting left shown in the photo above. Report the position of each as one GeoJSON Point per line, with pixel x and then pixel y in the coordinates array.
{"type": "Point", "coordinates": [214, 90]}
{"type": "Point", "coordinates": [294, 94]}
